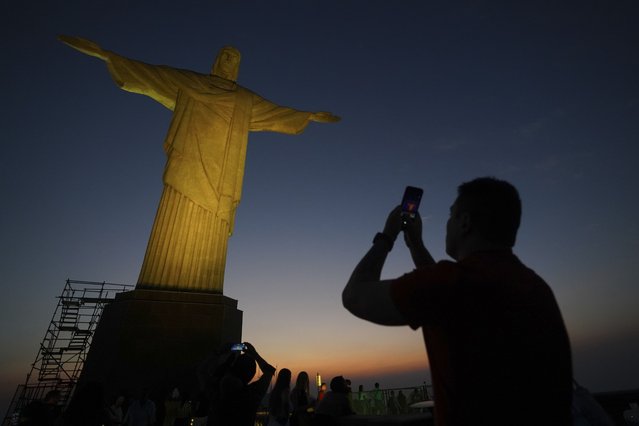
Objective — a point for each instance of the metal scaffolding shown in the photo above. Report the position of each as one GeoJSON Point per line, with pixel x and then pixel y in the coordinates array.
{"type": "Point", "coordinates": [66, 343]}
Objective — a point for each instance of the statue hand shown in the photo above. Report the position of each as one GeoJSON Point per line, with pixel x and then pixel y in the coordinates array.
{"type": "Point", "coordinates": [324, 117]}
{"type": "Point", "coordinates": [85, 46]}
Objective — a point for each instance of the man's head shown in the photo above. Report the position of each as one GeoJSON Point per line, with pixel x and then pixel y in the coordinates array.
{"type": "Point", "coordinates": [338, 385]}
{"type": "Point", "coordinates": [244, 368]}
{"type": "Point", "coordinates": [486, 213]}
{"type": "Point", "coordinates": [227, 63]}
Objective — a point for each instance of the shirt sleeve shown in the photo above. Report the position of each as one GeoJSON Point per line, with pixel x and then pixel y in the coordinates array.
{"type": "Point", "coordinates": [425, 296]}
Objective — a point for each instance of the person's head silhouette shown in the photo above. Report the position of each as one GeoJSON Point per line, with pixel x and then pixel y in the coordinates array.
{"type": "Point", "coordinates": [244, 368]}
{"type": "Point", "coordinates": [338, 385]}
{"type": "Point", "coordinates": [485, 215]}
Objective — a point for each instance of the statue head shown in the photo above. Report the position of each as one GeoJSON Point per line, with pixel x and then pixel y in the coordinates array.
{"type": "Point", "coordinates": [227, 63]}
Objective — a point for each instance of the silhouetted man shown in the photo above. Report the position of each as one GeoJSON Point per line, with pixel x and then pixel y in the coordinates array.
{"type": "Point", "coordinates": [497, 346]}
{"type": "Point", "coordinates": [335, 404]}
{"type": "Point", "coordinates": [237, 401]}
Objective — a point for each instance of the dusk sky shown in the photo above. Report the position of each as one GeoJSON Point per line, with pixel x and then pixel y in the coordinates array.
{"type": "Point", "coordinates": [431, 94]}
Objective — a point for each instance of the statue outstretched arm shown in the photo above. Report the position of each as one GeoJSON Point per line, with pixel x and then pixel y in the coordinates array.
{"type": "Point", "coordinates": [85, 46]}
{"type": "Point", "coordinates": [324, 117]}
{"type": "Point", "coordinates": [268, 116]}
{"type": "Point", "coordinates": [158, 82]}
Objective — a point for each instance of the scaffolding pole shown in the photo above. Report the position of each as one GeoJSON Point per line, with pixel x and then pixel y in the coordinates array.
{"type": "Point", "coordinates": [65, 345]}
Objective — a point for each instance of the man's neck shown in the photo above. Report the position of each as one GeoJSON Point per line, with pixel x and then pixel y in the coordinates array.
{"type": "Point", "coordinates": [480, 245]}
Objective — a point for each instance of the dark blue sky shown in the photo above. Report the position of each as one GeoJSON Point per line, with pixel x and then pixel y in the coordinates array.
{"type": "Point", "coordinates": [431, 94]}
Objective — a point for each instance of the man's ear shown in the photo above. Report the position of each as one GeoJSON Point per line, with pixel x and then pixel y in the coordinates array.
{"type": "Point", "coordinates": [465, 222]}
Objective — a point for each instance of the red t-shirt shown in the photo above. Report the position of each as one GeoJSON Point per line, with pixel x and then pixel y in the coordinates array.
{"type": "Point", "coordinates": [497, 345]}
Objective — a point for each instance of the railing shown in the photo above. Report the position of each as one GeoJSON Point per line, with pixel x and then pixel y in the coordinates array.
{"type": "Point", "coordinates": [389, 401]}
{"type": "Point", "coordinates": [377, 402]}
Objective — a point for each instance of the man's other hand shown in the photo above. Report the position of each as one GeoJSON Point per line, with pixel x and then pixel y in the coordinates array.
{"type": "Point", "coordinates": [394, 223]}
{"type": "Point", "coordinates": [412, 228]}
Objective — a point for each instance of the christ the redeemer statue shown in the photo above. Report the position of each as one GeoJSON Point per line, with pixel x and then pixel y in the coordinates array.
{"type": "Point", "coordinates": [206, 150]}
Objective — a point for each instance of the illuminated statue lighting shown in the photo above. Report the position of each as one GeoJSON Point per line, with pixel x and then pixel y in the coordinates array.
{"type": "Point", "coordinates": [206, 149]}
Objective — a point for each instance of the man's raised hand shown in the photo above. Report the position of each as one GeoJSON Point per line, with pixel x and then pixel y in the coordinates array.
{"type": "Point", "coordinates": [412, 228]}
{"type": "Point", "coordinates": [393, 224]}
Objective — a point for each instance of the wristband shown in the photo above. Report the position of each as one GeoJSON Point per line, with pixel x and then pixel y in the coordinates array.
{"type": "Point", "coordinates": [380, 236]}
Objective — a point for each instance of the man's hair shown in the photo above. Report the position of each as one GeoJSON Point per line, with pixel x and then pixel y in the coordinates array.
{"type": "Point", "coordinates": [302, 381]}
{"type": "Point", "coordinates": [494, 207]}
{"type": "Point", "coordinates": [338, 385]}
{"type": "Point", "coordinates": [244, 368]}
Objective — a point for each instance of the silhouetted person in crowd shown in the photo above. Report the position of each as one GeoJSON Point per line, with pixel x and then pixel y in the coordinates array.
{"type": "Point", "coordinates": [335, 403]}
{"type": "Point", "coordinates": [185, 409]}
{"type": "Point", "coordinates": [211, 372]}
{"type": "Point", "coordinates": [279, 405]}
{"type": "Point", "coordinates": [401, 401]}
{"type": "Point", "coordinates": [301, 402]}
{"type": "Point", "coordinates": [321, 392]}
{"type": "Point", "coordinates": [201, 410]}
{"type": "Point", "coordinates": [377, 401]}
{"type": "Point", "coordinates": [497, 345]}
{"type": "Point", "coordinates": [171, 407]}
{"type": "Point", "coordinates": [44, 412]}
{"type": "Point", "coordinates": [361, 401]}
{"type": "Point", "coordinates": [238, 401]}
{"type": "Point", "coordinates": [115, 411]}
{"type": "Point", "coordinates": [87, 408]}
{"type": "Point", "coordinates": [141, 411]}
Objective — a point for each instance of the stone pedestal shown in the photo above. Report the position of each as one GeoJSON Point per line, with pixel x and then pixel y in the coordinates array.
{"type": "Point", "coordinates": [157, 339]}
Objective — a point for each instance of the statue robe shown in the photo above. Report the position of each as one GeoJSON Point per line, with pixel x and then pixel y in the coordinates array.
{"type": "Point", "coordinates": [206, 151]}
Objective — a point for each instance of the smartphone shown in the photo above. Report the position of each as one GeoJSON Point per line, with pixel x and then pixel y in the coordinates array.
{"type": "Point", "coordinates": [238, 347]}
{"type": "Point", "coordinates": [410, 201]}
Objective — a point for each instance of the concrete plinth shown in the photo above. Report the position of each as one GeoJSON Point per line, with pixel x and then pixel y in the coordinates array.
{"type": "Point", "coordinates": [157, 339]}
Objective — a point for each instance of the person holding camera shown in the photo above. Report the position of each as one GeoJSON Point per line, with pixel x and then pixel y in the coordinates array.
{"type": "Point", "coordinates": [497, 346]}
{"type": "Point", "coordinates": [237, 401]}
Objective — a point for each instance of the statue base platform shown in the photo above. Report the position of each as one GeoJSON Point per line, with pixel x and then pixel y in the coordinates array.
{"type": "Point", "coordinates": [157, 340]}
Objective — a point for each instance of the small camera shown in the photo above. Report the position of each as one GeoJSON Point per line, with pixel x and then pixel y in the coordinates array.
{"type": "Point", "coordinates": [238, 347]}
{"type": "Point", "coordinates": [410, 202]}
